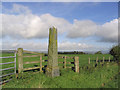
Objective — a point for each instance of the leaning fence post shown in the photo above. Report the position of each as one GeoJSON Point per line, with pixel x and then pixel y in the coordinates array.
{"type": "Point", "coordinates": [76, 64]}
{"type": "Point", "coordinates": [40, 63]}
{"type": "Point", "coordinates": [89, 60]}
{"type": "Point", "coordinates": [65, 62]}
{"type": "Point", "coordinates": [103, 59]}
{"type": "Point", "coordinates": [109, 59]}
{"type": "Point", "coordinates": [20, 60]}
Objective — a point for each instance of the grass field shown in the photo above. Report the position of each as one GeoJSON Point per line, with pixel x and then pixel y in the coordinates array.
{"type": "Point", "coordinates": [105, 76]}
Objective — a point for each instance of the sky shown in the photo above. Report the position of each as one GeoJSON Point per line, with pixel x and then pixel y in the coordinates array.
{"type": "Point", "coordinates": [82, 26]}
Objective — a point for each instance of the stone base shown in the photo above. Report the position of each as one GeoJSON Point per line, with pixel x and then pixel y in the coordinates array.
{"type": "Point", "coordinates": [52, 72]}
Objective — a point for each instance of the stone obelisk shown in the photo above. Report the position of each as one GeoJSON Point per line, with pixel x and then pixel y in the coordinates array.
{"type": "Point", "coordinates": [52, 69]}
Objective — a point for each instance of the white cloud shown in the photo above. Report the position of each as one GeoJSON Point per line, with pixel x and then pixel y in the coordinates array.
{"type": "Point", "coordinates": [37, 46]}
{"type": "Point", "coordinates": [63, 46]}
{"type": "Point", "coordinates": [73, 46]}
{"type": "Point", "coordinates": [109, 31]}
{"type": "Point", "coordinates": [83, 28]}
{"type": "Point", "coordinates": [32, 26]}
{"type": "Point", "coordinates": [28, 25]}
{"type": "Point", "coordinates": [18, 9]}
{"type": "Point", "coordinates": [0, 26]}
{"type": "Point", "coordinates": [119, 31]}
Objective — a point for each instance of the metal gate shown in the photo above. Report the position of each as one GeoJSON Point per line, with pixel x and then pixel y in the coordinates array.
{"type": "Point", "coordinates": [8, 74]}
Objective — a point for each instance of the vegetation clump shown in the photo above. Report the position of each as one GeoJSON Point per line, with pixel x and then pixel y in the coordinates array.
{"type": "Point", "coordinates": [99, 52]}
{"type": "Point", "coordinates": [115, 52]}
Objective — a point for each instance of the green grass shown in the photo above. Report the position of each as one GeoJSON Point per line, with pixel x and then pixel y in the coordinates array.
{"type": "Point", "coordinates": [89, 77]}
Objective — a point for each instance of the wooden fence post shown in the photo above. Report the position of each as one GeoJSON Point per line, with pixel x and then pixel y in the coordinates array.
{"type": "Point", "coordinates": [76, 64]}
{"type": "Point", "coordinates": [40, 63]}
{"type": "Point", "coordinates": [103, 59]}
{"type": "Point", "coordinates": [20, 60]}
{"type": "Point", "coordinates": [109, 59]}
{"type": "Point", "coordinates": [65, 62]}
{"type": "Point", "coordinates": [89, 60]}
{"type": "Point", "coordinates": [97, 60]}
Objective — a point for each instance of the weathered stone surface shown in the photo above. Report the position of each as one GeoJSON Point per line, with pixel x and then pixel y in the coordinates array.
{"type": "Point", "coordinates": [52, 69]}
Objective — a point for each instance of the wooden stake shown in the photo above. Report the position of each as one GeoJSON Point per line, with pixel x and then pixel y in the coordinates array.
{"type": "Point", "coordinates": [97, 60]}
{"type": "Point", "coordinates": [40, 63]}
{"type": "Point", "coordinates": [89, 60]}
{"type": "Point", "coordinates": [20, 60]}
{"type": "Point", "coordinates": [65, 62]}
{"type": "Point", "coordinates": [109, 59]}
{"type": "Point", "coordinates": [103, 59]}
{"type": "Point", "coordinates": [76, 64]}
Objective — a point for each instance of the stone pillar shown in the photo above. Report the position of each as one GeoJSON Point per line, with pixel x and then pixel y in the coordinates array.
{"type": "Point", "coordinates": [52, 69]}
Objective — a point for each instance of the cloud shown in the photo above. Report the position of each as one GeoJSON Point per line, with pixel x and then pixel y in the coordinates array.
{"type": "Point", "coordinates": [37, 46]}
{"type": "Point", "coordinates": [108, 32]}
{"type": "Point", "coordinates": [63, 46]}
{"type": "Point", "coordinates": [27, 25]}
{"type": "Point", "coordinates": [83, 28]}
{"type": "Point", "coordinates": [119, 31]}
{"type": "Point", "coordinates": [73, 46]}
{"type": "Point", "coordinates": [18, 9]}
{"type": "Point", "coordinates": [32, 26]}
{"type": "Point", "coordinates": [0, 26]}
{"type": "Point", "coordinates": [77, 46]}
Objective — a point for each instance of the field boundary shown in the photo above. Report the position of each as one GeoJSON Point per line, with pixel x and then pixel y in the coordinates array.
{"type": "Point", "coordinates": [101, 60]}
{"type": "Point", "coordinates": [76, 62]}
{"type": "Point", "coordinates": [3, 81]}
{"type": "Point", "coordinates": [20, 52]}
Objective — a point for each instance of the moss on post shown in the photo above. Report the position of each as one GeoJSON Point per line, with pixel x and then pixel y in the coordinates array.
{"type": "Point", "coordinates": [52, 69]}
{"type": "Point", "coordinates": [20, 60]}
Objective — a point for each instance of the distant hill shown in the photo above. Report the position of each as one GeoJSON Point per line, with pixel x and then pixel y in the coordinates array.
{"type": "Point", "coordinates": [12, 51]}
{"type": "Point", "coordinates": [86, 52]}
{"type": "Point", "coordinates": [7, 51]}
